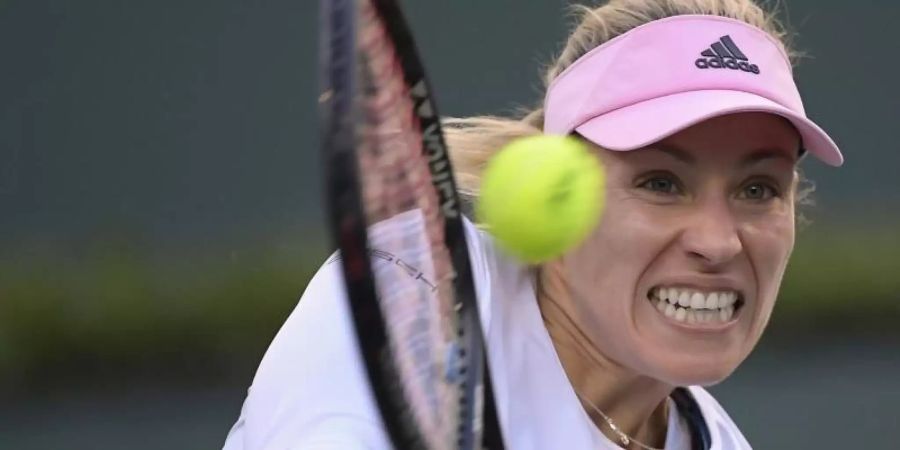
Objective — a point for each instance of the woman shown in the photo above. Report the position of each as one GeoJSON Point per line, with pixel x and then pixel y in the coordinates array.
{"type": "Point", "coordinates": [691, 106]}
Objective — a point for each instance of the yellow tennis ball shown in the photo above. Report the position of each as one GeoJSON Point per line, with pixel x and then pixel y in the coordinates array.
{"type": "Point", "coordinates": [541, 195]}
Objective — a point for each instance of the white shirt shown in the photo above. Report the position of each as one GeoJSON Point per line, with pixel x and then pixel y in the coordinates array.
{"type": "Point", "coordinates": [311, 391]}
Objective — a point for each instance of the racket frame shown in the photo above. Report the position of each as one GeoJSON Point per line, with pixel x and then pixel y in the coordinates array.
{"type": "Point", "coordinates": [479, 425]}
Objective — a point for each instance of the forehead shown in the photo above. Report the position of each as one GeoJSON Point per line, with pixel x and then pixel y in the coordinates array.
{"type": "Point", "coordinates": [735, 136]}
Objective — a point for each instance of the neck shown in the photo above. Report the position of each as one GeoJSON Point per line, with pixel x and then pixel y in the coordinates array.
{"type": "Point", "coordinates": [637, 404]}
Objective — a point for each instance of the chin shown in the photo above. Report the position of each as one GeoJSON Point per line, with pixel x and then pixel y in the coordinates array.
{"type": "Point", "coordinates": [695, 370]}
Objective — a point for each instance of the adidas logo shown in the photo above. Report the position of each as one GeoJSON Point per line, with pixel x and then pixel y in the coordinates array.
{"type": "Point", "coordinates": [725, 54]}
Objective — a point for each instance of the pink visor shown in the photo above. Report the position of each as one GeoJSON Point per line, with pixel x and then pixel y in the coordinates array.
{"type": "Point", "coordinates": [662, 77]}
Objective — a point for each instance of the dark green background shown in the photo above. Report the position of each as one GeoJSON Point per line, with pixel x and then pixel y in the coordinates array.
{"type": "Point", "coordinates": [160, 210]}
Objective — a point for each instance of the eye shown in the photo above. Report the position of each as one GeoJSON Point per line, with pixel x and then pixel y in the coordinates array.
{"type": "Point", "coordinates": [758, 191]}
{"type": "Point", "coordinates": [661, 183]}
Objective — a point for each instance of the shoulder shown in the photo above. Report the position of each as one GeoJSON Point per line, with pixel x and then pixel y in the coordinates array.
{"type": "Point", "coordinates": [310, 389]}
{"type": "Point", "coordinates": [725, 433]}
{"type": "Point", "coordinates": [500, 280]}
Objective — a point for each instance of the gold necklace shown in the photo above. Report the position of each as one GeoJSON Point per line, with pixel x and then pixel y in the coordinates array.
{"type": "Point", "coordinates": [625, 439]}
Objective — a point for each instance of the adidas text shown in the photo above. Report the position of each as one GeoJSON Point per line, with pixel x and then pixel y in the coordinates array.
{"type": "Point", "coordinates": [716, 62]}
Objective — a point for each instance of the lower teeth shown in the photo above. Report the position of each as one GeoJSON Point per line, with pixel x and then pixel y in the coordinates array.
{"type": "Point", "coordinates": [691, 315]}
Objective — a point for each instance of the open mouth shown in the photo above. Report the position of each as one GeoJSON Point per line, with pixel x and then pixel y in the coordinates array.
{"type": "Point", "coordinates": [693, 306]}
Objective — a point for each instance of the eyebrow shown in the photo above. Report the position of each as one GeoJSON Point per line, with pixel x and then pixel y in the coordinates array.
{"type": "Point", "coordinates": [675, 152]}
{"type": "Point", "coordinates": [766, 154]}
{"type": "Point", "coordinates": [749, 160]}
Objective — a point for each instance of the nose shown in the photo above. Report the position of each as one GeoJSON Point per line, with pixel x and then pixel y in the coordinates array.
{"type": "Point", "coordinates": [711, 236]}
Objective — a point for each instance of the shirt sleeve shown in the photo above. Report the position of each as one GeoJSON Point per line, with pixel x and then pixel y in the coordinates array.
{"type": "Point", "coordinates": [311, 390]}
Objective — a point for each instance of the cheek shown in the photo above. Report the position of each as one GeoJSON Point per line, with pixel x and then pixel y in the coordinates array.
{"type": "Point", "coordinates": [617, 253]}
{"type": "Point", "coordinates": [605, 271]}
{"type": "Point", "coordinates": [769, 246]}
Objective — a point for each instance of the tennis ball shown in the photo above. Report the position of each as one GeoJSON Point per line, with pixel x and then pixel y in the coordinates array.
{"type": "Point", "coordinates": [541, 195]}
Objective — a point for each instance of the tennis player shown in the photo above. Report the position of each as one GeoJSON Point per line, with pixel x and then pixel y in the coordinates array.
{"type": "Point", "coordinates": [692, 107]}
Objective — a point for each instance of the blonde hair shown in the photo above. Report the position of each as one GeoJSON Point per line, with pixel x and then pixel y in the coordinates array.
{"type": "Point", "coordinates": [473, 140]}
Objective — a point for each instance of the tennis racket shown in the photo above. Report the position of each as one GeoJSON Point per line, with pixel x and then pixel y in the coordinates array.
{"type": "Point", "coordinates": [395, 216]}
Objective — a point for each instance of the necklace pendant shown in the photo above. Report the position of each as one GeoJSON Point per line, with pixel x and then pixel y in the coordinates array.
{"type": "Point", "coordinates": [624, 439]}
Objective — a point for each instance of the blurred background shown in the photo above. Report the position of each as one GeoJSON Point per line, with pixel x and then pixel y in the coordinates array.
{"type": "Point", "coordinates": [160, 211]}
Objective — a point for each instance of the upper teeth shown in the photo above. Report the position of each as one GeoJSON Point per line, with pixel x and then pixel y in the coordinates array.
{"type": "Point", "coordinates": [690, 298]}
